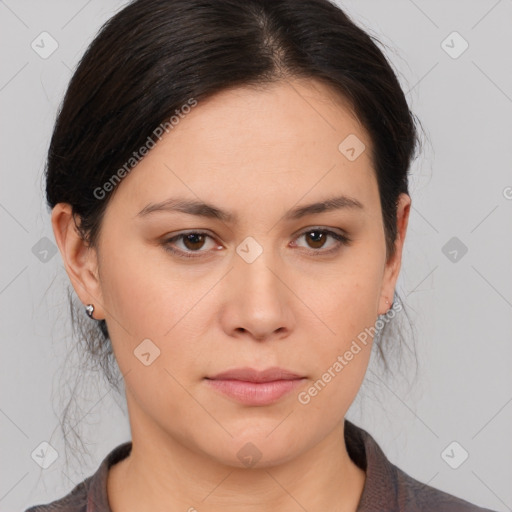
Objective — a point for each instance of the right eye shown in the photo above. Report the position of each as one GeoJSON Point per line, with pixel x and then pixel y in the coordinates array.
{"type": "Point", "coordinates": [192, 242]}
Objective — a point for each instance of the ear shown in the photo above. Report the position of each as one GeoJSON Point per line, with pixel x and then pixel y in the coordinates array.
{"type": "Point", "coordinates": [392, 268]}
{"type": "Point", "coordinates": [80, 261]}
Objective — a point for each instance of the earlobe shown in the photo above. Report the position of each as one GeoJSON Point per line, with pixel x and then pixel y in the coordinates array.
{"type": "Point", "coordinates": [80, 261]}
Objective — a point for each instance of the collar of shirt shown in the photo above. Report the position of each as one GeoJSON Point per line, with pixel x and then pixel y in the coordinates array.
{"type": "Point", "coordinates": [380, 484]}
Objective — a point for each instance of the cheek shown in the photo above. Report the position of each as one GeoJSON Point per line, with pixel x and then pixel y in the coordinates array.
{"type": "Point", "coordinates": [147, 299]}
{"type": "Point", "coordinates": [348, 301]}
{"type": "Point", "coordinates": [347, 306]}
{"type": "Point", "coordinates": [339, 358]}
{"type": "Point", "coordinates": [140, 291]}
{"type": "Point", "coordinates": [134, 298]}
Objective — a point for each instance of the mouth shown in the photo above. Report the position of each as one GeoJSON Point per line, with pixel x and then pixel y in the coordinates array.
{"type": "Point", "coordinates": [253, 387]}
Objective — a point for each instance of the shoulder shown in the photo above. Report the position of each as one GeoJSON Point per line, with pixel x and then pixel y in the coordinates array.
{"type": "Point", "coordinates": [389, 489]}
{"type": "Point", "coordinates": [75, 501]}
{"type": "Point", "coordinates": [90, 494]}
{"type": "Point", "coordinates": [415, 496]}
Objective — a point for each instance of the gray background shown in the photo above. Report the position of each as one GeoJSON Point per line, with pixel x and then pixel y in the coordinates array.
{"type": "Point", "coordinates": [461, 187]}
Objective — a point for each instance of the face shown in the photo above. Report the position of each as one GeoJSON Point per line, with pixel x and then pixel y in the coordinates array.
{"type": "Point", "coordinates": [255, 279]}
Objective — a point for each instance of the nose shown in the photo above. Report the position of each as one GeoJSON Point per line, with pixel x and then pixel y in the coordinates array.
{"type": "Point", "coordinates": [258, 302]}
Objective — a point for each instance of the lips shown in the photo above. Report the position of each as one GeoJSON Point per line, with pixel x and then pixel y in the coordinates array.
{"type": "Point", "coordinates": [252, 375]}
{"type": "Point", "coordinates": [255, 388]}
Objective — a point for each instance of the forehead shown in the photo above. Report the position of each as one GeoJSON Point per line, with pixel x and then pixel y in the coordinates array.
{"type": "Point", "coordinates": [293, 112]}
{"type": "Point", "coordinates": [247, 144]}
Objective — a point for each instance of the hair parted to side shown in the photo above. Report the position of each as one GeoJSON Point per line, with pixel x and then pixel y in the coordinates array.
{"type": "Point", "coordinates": [153, 56]}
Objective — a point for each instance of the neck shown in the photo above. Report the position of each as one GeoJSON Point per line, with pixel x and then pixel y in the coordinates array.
{"type": "Point", "coordinates": [162, 472]}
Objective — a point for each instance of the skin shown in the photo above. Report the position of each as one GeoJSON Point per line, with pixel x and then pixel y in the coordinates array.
{"type": "Point", "coordinates": [256, 153]}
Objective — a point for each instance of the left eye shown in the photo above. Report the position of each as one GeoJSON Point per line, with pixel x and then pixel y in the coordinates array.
{"type": "Point", "coordinates": [316, 238]}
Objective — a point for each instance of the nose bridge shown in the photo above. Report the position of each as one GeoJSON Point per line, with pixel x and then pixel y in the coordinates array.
{"type": "Point", "coordinates": [257, 303]}
{"type": "Point", "coordinates": [256, 267]}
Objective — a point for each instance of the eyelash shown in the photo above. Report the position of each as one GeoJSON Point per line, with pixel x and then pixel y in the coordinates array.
{"type": "Point", "coordinates": [342, 239]}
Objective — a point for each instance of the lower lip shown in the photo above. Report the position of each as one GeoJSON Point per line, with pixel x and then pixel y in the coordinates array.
{"type": "Point", "coordinates": [255, 393]}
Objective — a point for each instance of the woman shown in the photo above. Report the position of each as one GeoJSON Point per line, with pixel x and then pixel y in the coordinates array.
{"type": "Point", "coordinates": [229, 194]}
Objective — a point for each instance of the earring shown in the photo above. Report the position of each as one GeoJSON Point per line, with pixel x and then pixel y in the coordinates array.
{"type": "Point", "coordinates": [387, 301]}
{"type": "Point", "coordinates": [89, 309]}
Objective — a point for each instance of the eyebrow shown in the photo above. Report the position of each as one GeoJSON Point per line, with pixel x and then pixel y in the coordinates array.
{"type": "Point", "coordinates": [201, 209]}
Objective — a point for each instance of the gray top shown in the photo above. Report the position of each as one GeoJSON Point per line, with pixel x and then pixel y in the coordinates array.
{"type": "Point", "coordinates": [386, 489]}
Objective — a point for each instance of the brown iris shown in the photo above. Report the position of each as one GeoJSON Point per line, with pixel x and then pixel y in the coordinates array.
{"type": "Point", "coordinates": [193, 241]}
{"type": "Point", "coordinates": [318, 238]}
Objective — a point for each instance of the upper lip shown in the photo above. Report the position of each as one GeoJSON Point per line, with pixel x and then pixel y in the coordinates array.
{"type": "Point", "coordinates": [252, 375]}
